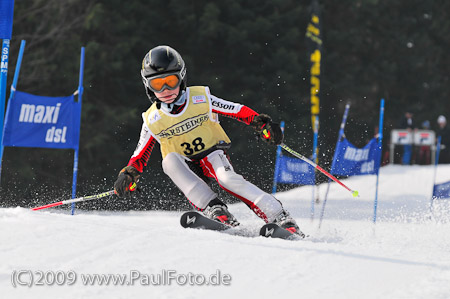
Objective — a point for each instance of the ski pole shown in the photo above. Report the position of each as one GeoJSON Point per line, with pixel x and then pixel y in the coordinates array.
{"type": "Point", "coordinates": [79, 199]}
{"type": "Point", "coordinates": [291, 151]}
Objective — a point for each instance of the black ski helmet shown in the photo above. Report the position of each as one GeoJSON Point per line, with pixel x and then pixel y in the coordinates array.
{"type": "Point", "coordinates": [161, 60]}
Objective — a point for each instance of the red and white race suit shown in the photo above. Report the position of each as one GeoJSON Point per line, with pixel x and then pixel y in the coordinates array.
{"type": "Point", "coordinates": [193, 135]}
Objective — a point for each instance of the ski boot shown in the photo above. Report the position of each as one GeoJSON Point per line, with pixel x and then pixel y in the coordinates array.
{"type": "Point", "coordinates": [218, 211]}
{"type": "Point", "coordinates": [284, 220]}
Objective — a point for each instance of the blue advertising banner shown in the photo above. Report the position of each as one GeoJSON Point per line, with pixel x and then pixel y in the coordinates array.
{"type": "Point", "coordinates": [441, 191]}
{"type": "Point", "coordinates": [294, 171]}
{"type": "Point", "coordinates": [37, 121]}
{"type": "Point", "coordinates": [350, 160]}
{"type": "Point", "coordinates": [6, 18]}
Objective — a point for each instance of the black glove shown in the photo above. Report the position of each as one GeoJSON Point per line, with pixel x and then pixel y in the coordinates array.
{"type": "Point", "coordinates": [269, 131]}
{"type": "Point", "coordinates": [126, 181]}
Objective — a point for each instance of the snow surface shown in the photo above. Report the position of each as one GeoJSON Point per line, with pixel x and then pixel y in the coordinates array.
{"type": "Point", "coordinates": [406, 254]}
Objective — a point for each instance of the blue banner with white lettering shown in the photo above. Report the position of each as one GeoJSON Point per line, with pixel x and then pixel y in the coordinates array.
{"type": "Point", "coordinates": [37, 121]}
{"type": "Point", "coordinates": [441, 191]}
{"type": "Point", "coordinates": [6, 18]}
{"type": "Point", "coordinates": [350, 160]}
{"type": "Point", "coordinates": [294, 171]}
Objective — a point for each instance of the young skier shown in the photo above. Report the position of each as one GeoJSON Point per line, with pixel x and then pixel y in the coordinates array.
{"type": "Point", "coordinates": [184, 121]}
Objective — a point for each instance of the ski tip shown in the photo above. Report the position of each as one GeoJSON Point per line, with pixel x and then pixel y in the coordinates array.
{"type": "Point", "coordinates": [272, 230]}
{"type": "Point", "coordinates": [187, 219]}
{"type": "Point", "coordinates": [196, 220]}
{"type": "Point", "coordinates": [355, 193]}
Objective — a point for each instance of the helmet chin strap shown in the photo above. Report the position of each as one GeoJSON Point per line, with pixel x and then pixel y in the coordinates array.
{"type": "Point", "coordinates": [179, 100]}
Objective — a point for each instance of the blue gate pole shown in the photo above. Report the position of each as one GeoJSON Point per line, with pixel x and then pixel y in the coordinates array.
{"type": "Point", "coordinates": [277, 163]}
{"type": "Point", "coordinates": [314, 158]}
{"type": "Point", "coordinates": [75, 156]}
{"type": "Point", "coordinates": [341, 133]}
{"type": "Point", "coordinates": [3, 80]}
{"type": "Point", "coordinates": [17, 71]}
{"type": "Point", "coordinates": [438, 150]}
{"type": "Point", "coordinates": [380, 148]}
{"type": "Point", "coordinates": [11, 95]}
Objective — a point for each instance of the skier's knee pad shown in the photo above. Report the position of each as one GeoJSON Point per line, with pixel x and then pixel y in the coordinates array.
{"type": "Point", "coordinates": [192, 186]}
{"type": "Point", "coordinates": [230, 180]}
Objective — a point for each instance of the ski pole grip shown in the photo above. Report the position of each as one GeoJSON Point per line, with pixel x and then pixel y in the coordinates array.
{"type": "Point", "coordinates": [266, 134]}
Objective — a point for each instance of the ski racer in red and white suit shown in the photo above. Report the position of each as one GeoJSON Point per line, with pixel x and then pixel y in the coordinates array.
{"type": "Point", "coordinates": [184, 121]}
{"type": "Point", "coordinates": [215, 165]}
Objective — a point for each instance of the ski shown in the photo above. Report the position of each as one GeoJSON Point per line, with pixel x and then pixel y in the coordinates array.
{"type": "Point", "coordinates": [193, 219]}
{"type": "Point", "coordinates": [271, 230]}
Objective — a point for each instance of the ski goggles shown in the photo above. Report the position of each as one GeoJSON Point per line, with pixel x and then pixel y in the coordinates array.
{"type": "Point", "coordinates": [159, 83]}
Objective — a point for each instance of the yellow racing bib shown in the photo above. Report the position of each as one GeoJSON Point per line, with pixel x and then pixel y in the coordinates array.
{"type": "Point", "coordinates": [190, 132]}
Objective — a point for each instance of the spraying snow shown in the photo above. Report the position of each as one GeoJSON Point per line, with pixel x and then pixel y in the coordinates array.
{"type": "Point", "coordinates": [406, 254]}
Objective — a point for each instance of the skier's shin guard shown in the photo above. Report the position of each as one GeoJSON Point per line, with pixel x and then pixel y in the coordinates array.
{"type": "Point", "coordinates": [192, 186]}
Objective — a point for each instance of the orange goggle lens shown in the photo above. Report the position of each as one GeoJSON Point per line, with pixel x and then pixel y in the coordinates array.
{"type": "Point", "coordinates": [157, 84]}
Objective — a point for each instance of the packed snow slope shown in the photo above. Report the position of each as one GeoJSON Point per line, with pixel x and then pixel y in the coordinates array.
{"type": "Point", "coordinates": [406, 254]}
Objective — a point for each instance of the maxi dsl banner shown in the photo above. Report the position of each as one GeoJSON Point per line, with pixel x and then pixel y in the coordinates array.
{"type": "Point", "coordinates": [294, 171]}
{"type": "Point", "coordinates": [37, 121]}
{"type": "Point", "coordinates": [350, 160]}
